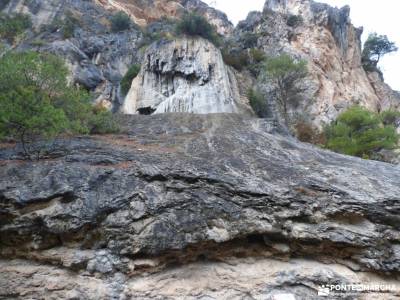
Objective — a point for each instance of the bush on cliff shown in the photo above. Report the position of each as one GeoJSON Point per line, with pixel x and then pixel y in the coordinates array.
{"type": "Point", "coordinates": [390, 117]}
{"type": "Point", "coordinates": [359, 132]}
{"type": "Point", "coordinates": [11, 26]}
{"type": "Point", "coordinates": [126, 81]}
{"type": "Point", "coordinates": [120, 22]}
{"type": "Point", "coordinates": [195, 25]}
{"type": "Point", "coordinates": [236, 59]}
{"type": "Point", "coordinates": [257, 102]}
{"type": "Point", "coordinates": [37, 105]}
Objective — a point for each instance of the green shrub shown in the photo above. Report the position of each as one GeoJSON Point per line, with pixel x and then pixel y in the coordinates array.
{"type": "Point", "coordinates": [29, 117]}
{"type": "Point", "coordinates": [359, 132]}
{"type": "Point", "coordinates": [249, 40]}
{"type": "Point", "coordinates": [195, 25]}
{"type": "Point", "coordinates": [103, 122]}
{"type": "Point", "coordinates": [120, 22]}
{"type": "Point", "coordinates": [13, 25]}
{"type": "Point", "coordinates": [294, 20]}
{"type": "Point", "coordinates": [390, 117]}
{"type": "Point", "coordinates": [126, 81]}
{"type": "Point", "coordinates": [38, 105]}
{"type": "Point", "coordinates": [238, 59]}
{"type": "Point", "coordinates": [257, 55]}
{"type": "Point", "coordinates": [257, 102]}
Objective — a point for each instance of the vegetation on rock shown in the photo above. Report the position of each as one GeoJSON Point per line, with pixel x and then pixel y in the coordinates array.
{"type": "Point", "coordinates": [390, 117]}
{"type": "Point", "coordinates": [38, 105]}
{"type": "Point", "coordinates": [294, 20]}
{"type": "Point", "coordinates": [359, 132]}
{"type": "Point", "coordinates": [120, 22]}
{"type": "Point", "coordinates": [236, 59]}
{"type": "Point", "coordinates": [375, 48]}
{"type": "Point", "coordinates": [126, 81]}
{"type": "Point", "coordinates": [196, 25]}
{"type": "Point", "coordinates": [257, 102]}
{"type": "Point", "coordinates": [286, 75]}
{"type": "Point", "coordinates": [11, 26]}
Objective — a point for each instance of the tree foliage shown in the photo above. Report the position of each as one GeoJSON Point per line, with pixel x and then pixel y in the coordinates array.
{"type": "Point", "coordinates": [37, 105]}
{"type": "Point", "coordinates": [359, 132]}
{"type": "Point", "coordinates": [286, 76]}
{"type": "Point", "coordinates": [375, 47]}
{"type": "Point", "coordinates": [390, 117]}
{"type": "Point", "coordinates": [120, 22]}
{"type": "Point", "coordinates": [126, 81]}
{"type": "Point", "coordinates": [196, 25]}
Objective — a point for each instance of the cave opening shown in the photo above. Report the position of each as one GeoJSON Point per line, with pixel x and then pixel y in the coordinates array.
{"type": "Point", "coordinates": [146, 111]}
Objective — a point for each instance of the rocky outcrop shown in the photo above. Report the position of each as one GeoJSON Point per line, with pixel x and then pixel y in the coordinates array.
{"type": "Point", "coordinates": [195, 206]}
{"type": "Point", "coordinates": [144, 12]}
{"type": "Point", "coordinates": [326, 39]}
{"type": "Point", "coordinates": [184, 75]}
{"type": "Point", "coordinates": [96, 57]}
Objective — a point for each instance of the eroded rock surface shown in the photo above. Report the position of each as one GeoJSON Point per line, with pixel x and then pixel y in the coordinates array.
{"type": "Point", "coordinates": [185, 206]}
{"type": "Point", "coordinates": [143, 12]}
{"type": "Point", "coordinates": [184, 75]}
{"type": "Point", "coordinates": [326, 39]}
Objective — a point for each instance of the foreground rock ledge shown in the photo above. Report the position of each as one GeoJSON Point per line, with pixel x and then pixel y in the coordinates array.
{"type": "Point", "coordinates": [195, 207]}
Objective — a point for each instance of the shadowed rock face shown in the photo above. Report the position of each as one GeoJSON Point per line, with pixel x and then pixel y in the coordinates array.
{"type": "Point", "coordinates": [222, 202]}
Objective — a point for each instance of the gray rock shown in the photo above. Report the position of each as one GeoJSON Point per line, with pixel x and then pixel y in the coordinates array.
{"type": "Point", "coordinates": [197, 188]}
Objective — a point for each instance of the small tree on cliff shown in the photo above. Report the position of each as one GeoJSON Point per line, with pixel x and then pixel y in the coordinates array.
{"type": "Point", "coordinates": [286, 76]}
{"type": "Point", "coordinates": [375, 48]}
{"type": "Point", "coordinates": [37, 104]}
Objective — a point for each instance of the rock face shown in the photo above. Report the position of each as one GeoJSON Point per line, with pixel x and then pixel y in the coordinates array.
{"type": "Point", "coordinates": [143, 12]}
{"type": "Point", "coordinates": [185, 206]}
{"type": "Point", "coordinates": [184, 75]}
{"type": "Point", "coordinates": [96, 57]}
{"type": "Point", "coordinates": [326, 39]}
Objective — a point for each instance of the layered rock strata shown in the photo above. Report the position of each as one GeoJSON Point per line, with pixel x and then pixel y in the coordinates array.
{"type": "Point", "coordinates": [196, 206]}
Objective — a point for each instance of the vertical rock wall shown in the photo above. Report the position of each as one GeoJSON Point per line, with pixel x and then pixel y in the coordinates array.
{"type": "Point", "coordinates": [184, 75]}
{"type": "Point", "coordinates": [331, 45]}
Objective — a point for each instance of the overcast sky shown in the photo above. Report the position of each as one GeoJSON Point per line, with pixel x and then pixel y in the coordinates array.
{"type": "Point", "coordinates": [375, 16]}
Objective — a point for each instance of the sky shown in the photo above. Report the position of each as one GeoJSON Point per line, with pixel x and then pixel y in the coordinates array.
{"type": "Point", "coordinates": [375, 16]}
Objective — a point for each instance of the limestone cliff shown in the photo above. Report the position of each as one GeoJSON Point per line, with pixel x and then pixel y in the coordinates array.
{"type": "Point", "coordinates": [97, 57]}
{"type": "Point", "coordinates": [326, 39]}
{"type": "Point", "coordinates": [184, 206]}
{"type": "Point", "coordinates": [184, 75]}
